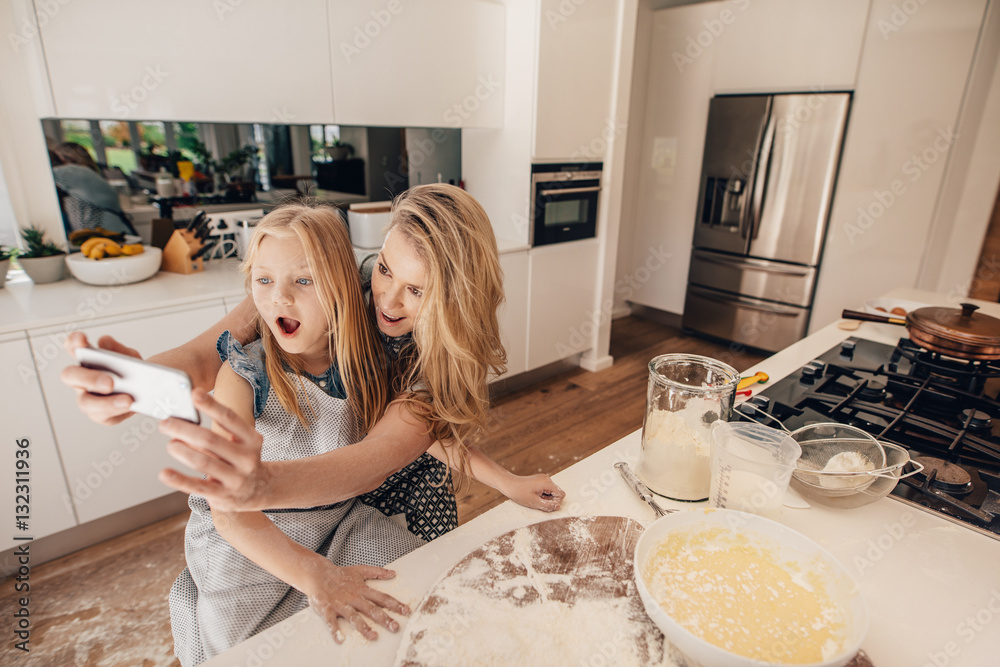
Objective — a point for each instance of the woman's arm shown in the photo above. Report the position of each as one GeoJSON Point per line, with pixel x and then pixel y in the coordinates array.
{"type": "Point", "coordinates": [537, 492]}
{"type": "Point", "coordinates": [239, 480]}
{"type": "Point", "coordinates": [198, 358]}
{"type": "Point", "coordinates": [334, 592]}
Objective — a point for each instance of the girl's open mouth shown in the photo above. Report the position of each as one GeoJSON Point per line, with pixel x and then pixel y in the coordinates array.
{"type": "Point", "coordinates": [288, 325]}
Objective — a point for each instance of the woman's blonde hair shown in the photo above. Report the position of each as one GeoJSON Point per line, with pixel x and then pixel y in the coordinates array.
{"type": "Point", "coordinates": [353, 343]}
{"type": "Point", "coordinates": [456, 332]}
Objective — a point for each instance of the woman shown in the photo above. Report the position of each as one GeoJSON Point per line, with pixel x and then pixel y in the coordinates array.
{"type": "Point", "coordinates": [86, 199]}
{"type": "Point", "coordinates": [435, 290]}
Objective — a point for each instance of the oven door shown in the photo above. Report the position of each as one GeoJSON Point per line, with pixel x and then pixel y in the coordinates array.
{"type": "Point", "coordinates": [564, 210]}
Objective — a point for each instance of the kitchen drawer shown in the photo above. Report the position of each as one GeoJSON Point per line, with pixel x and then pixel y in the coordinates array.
{"type": "Point", "coordinates": [757, 278]}
{"type": "Point", "coordinates": [756, 323]}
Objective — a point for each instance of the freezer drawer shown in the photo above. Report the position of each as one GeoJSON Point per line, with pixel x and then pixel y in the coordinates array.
{"type": "Point", "coordinates": [757, 278]}
{"type": "Point", "coordinates": [752, 322]}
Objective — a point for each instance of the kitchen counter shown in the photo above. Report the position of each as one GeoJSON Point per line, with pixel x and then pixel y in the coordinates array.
{"type": "Point", "coordinates": [932, 586]}
{"type": "Point", "coordinates": [26, 305]}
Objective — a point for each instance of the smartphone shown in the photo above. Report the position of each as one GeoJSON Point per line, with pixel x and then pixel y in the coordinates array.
{"type": "Point", "coordinates": [157, 391]}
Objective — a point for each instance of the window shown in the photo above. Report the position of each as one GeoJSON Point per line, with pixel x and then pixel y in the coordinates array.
{"type": "Point", "coordinates": [320, 137]}
{"type": "Point", "coordinates": [153, 138]}
{"type": "Point", "coordinates": [79, 132]}
{"type": "Point", "coordinates": [118, 142]}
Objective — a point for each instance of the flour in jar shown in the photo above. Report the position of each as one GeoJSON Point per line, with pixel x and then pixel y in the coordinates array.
{"type": "Point", "coordinates": [676, 447]}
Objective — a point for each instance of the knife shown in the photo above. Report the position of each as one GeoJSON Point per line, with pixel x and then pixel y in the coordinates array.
{"type": "Point", "coordinates": [196, 220]}
{"type": "Point", "coordinates": [205, 248]}
{"type": "Point", "coordinates": [204, 228]}
{"type": "Point", "coordinates": [640, 488]}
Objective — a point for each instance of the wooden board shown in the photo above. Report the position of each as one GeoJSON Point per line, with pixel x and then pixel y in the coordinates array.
{"type": "Point", "coordinates": [556, 592]}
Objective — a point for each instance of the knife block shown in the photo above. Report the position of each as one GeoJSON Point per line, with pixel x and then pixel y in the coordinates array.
{"type": "Point", "coordinates": [177, 253]}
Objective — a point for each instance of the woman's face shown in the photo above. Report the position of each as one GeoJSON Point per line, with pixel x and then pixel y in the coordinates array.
{"type": "Point", "coordinates": [398, 283]}
{"type": "Point", "coordinates": [285, 295]}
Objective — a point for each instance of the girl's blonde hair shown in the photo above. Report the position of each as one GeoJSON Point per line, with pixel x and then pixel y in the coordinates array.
{"type": "Point", "coordinates": [456, 332]}
{"type": "Point", "coordinates": [353, 343]}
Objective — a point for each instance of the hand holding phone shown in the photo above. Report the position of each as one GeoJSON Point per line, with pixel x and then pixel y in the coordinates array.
{"type": "Point", "coordinates": [157, 391]}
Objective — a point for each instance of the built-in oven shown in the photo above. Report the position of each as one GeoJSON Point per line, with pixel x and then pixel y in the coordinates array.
{"type": "Point", "coordinates": [564, 201]}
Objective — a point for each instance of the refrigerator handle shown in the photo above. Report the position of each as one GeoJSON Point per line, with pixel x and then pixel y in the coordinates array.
{"type": "Point", "coordinates": [760, 178]}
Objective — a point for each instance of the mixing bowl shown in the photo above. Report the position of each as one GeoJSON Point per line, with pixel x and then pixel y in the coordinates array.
{"type": "Point", "coordinates": [717, 541]}
{"type": "Point", "coordinates": [115, 270]}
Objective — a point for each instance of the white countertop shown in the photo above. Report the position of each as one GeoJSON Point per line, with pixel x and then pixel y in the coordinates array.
{"type": "Point", "coordinates": [25, 305]}
{"type": "Point", "coordinates": [932, 586]}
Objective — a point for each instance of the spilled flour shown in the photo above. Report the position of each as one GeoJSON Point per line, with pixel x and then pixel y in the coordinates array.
{"type": "Point", "coordinates": [536, 598]}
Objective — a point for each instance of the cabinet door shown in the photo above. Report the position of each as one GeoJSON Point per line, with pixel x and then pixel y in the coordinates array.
{"type": "Point", "coordinates": [782, 45]}
{"type": "Point", "coordinates": [514, 312]}
{"type": "Point", "coordinates": [562, 292]}
{"type": "Point", "coordinates": [190, 60]}
{"type": "Point", "coordinates": [576, 44]}
{"type": "Point", "coordinates": [111, 468]}
{"type": "Point", "coordinates": [26, 422]}
{"type": "Point", "coordinates": [437, 64]}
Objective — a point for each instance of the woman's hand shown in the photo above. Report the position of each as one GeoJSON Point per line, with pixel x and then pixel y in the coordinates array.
{"type": "Point", "coordinates": [341, 593]}
{"type": "Point", "coordinates": [94, 388]}
{"type": "Point", "coordinates": [237, 479]}
{"type": "Point", "coordinates": [537, 492]}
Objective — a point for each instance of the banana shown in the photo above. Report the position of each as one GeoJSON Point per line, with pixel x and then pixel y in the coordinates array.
{"type": "Point", "coordinates": [97, 253]}
{"type": "Point", "coordinates": [132, 249]}
{"type": "Point", "coordinates": [92, 243]}
{"type": "Point", "coordinates": [112, 249]}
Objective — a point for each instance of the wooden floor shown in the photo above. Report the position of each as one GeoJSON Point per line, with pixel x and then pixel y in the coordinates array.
{"type": "Point", "coordinates": [107, 605]}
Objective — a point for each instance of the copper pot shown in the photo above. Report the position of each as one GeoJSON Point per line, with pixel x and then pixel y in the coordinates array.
{"type": "Point", "coordinates": [956, 332]}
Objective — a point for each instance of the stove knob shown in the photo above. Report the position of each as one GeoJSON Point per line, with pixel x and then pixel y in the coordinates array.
{"type": "Point", "coordinates": [809, 374]}
{"type": "Point", "coordinates": [762, 402]}
{"type": "Point", "coordinates": [847, 347]}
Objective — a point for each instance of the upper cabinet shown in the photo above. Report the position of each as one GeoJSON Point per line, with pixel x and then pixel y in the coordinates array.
{"type": "Point", "coordinates": [576, 60]}
{"type": "Point", "coordinates": [780, 45]}
{"type": "Point", "coordinates": [191, 60]}
{"type": "Point", "coordinates": [353, 62]}
{"type": "Point", "coordinates": [398, 63]}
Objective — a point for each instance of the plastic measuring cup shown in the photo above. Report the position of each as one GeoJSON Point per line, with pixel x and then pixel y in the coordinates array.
{"type": "Point", "coordinates": [751, 466]}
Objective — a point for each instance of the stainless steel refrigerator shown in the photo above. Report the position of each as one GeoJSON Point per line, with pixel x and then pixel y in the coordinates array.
{"type": "Point", "coordinates": [767, 182]}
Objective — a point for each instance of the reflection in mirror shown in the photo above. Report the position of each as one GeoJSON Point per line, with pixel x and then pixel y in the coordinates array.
{"type": "Point", "coordinates": [120, 174]}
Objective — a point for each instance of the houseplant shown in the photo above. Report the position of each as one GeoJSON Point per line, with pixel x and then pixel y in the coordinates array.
{"type": "Point", "coordinates": [5, 255]}
{"type": "Point", "coordinates": [43, 261]}
{"type": "Point", "coordinates": [338, 150]}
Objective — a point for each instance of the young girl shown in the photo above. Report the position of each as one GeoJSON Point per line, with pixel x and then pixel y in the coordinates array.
{"type": "Point", "coordinates": [317, 355]}
{"type": "Point", "coordinates": [435, 290]}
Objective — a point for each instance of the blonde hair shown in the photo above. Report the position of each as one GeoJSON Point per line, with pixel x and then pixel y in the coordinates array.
{"type": "Point", "coordinates": [353, 343]}
{"type": "Point", "coordinates": [456, 332]}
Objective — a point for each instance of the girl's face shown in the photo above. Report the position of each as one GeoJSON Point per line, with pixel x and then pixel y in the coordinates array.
{"type": "Point", "coordinates": [397, 285]}
{"type": "Point", "coordinates": [285, 296]}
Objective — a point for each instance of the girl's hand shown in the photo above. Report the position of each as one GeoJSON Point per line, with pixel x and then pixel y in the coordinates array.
{"type": "Point", "coordinates": [536, 492]}
{"type": "Point", "coordinates": [93, 388]}
{"type": "Point", "coordinates": [237, 479]}
{"type": "Point", "coordinates": [341, 593]}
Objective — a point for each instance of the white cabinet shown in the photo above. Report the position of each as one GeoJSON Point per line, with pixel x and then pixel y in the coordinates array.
{"type": "Point", "coordinates": [576, 45]}
{"type": "Point", "coordinates": [109, 469]}
{"type": "Point", "coordinates": [561, 296]}
{"type": "Point", "coordinates": [397, 63]}
{"type": "Point", "coordinates": [26, 422]}
{"type": "Point", "coordinates": [781, 45]}
{"type": "Point", "coordinates": [190, 60]}
{"type": "Point", "coordinates": [513, 313]}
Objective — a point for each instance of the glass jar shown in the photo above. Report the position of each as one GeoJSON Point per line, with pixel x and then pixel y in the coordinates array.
{"type": "Point", "coordinates": [686, 393]}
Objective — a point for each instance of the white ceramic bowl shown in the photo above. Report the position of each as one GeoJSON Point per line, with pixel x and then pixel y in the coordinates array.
{"type": "Point", "coordinates": [842, 588]}
{"type": "Point", "coordinates": [885, 306]}
{"type": "Point", "coordinates": [115, 270]}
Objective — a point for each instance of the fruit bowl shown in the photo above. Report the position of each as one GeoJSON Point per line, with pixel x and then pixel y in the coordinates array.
{"type": "Point", "coordinates": [121, 270]}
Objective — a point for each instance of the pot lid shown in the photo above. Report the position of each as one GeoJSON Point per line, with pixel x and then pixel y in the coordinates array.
{"type": "Point", "coordinates": [961, 325]}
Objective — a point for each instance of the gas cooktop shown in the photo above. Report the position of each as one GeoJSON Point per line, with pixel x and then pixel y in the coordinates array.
{"type": "Point", "coordinates": [944, 411]}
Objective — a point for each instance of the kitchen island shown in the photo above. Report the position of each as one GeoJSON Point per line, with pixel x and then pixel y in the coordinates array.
{"type": "Point", "coordinates": [932, 586]}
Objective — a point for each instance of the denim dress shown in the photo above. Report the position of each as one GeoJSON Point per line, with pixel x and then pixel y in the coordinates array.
{"type": "Point", "coordinates": [222, 597]}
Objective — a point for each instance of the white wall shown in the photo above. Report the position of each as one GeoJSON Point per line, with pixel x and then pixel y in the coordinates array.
{"type": "Point", "coordinates": [23, 152]}
{"type": "Point", "coordinates": [432, 152]}
{"type": "Point", "coordinates": [906, 109]}
{"type": "Point", "coordinates": [970, 187]}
